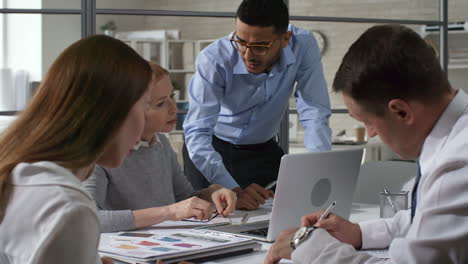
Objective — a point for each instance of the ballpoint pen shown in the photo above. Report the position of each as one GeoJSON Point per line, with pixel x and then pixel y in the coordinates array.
{"type": "Point", "coordinates": [389, 200]}
{"type": "Point", "coordinates": [245, 218]}
{"type": "Point", "coordinates": [327, 212]}
{"type": "Point", "coordinates": [213, 216]}
{"type": "Point", "coordinates": [270, 185]}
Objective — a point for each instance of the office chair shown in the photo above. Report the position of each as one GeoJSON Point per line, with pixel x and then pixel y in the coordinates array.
{"type": "Point", "coordinates": [374, 176]}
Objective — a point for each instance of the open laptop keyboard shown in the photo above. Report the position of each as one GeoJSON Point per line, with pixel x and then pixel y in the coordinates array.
{"type": "Point", "coordinates": [261, 232]}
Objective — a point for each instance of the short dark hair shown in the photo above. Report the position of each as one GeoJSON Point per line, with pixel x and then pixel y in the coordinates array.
{"type": "Point", "coordinates": [390, 62]}
{"type": "Point", "coordinates": [264, 13]}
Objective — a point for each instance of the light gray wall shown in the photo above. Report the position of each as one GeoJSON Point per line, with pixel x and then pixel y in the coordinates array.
{"type": "Point", "coordinates": [339, 36]}
{"type": "Point", "coordinates": [59, 31]}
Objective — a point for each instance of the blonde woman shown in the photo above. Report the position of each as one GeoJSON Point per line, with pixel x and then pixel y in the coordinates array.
{"type": "Point", "coordinates": [89, 109]}
{"type": "Point", "coordinates": [150, 187]}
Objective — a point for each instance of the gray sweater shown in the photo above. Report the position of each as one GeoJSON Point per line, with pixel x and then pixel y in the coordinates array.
{"type": "Point", "coordinates": [149, 177]}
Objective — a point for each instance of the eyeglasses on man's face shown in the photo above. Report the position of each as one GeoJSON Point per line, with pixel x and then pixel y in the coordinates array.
{"type": "Point", "coordinates": [257, 49]}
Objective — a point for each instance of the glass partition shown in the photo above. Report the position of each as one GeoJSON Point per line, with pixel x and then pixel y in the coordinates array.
{"type": "Point", "coordinates": [388, 9]}
{"type": "Point", "coordinates": [173, 42]}
{"type": "Point", "coordinates": [172, 5]}
{"type": "Point", "coordinates": [29, 45]}
{"type": "Point", "coordinates": [336, 39]}
{"type": "Point", "coordinates": [40, 4]}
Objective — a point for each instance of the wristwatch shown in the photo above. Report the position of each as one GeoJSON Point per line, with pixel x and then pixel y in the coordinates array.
{"type": "Point", "coordinates": [301, 235]}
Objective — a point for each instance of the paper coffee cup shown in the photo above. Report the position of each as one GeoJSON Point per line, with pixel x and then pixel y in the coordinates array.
{"type": "Point", "coordinates": [360, 133]}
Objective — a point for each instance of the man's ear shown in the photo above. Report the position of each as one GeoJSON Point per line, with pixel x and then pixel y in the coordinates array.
{"type": "Point", "coordinates": [286, 37]}
{"type": "Point", "coordinates": [401, 110]}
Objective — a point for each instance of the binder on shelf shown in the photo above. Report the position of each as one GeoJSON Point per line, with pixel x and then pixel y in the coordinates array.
{"type": "Point", "coordinates": [462, 26]}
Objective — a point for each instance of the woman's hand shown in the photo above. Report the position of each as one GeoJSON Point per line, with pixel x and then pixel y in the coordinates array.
{"type": "Point", "coordinates": [191, 207]}
{"type": "Point", "coordinates": [223, 198]}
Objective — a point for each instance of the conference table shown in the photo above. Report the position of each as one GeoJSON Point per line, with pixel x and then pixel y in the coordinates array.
{"type": "Point", "coordinates": [359, 212]}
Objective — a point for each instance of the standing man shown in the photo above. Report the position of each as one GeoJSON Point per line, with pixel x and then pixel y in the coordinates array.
{"type": "Point", "coordinates": [391, 81]}
{"type": "Point", "coordinates": [239, 95]}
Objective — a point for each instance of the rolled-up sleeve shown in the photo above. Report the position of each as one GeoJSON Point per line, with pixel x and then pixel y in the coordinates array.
{"type": "Point", "coordinates": [312, 99]}
{"type": "Point", "coordinates": [205, 93]}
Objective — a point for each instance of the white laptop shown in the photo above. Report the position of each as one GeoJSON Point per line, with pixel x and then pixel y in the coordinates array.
{"type": "Point", "coordinates": [307, 182]}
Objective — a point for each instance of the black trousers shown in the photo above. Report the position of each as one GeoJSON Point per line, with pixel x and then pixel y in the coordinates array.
{"type": "Point", "coordinates": [256, 163]}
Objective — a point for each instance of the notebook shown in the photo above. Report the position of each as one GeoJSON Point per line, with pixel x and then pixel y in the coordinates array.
{"type": "Point", "coordinates": [307, 182]}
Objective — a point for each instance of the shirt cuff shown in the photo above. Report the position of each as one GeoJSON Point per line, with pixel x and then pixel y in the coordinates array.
{"type": "Point", "coordinates": [318, 140]}
{"type": "Point", "coordinates": [227, 182]}
{"type": "Point", "coordinates": [321, 247]}
{"type": "Point", "coordinates": [375, 234]}
{"type": "Point", "coordinates": [310, 249]}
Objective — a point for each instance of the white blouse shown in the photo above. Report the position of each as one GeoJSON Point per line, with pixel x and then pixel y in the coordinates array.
{"type": "Point", "coordinates": [50, 218]}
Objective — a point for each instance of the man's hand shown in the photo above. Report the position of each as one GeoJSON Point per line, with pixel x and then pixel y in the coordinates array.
{"type": "Point", "coordinates": [191, 207]}
{"type": "Point", "coordinates": [338, 227]}
{"type": "Point", "coordinates": [281, 249]}
{"type": "Point", "coordinates": [252, 196]}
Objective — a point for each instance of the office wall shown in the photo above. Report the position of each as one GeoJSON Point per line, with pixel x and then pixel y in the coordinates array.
{"type": "Point", "coordinates": [339, 36]}
{"type": "Point", "coordinates": [59, 31]}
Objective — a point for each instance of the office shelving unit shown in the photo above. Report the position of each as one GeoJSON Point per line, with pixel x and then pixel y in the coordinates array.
{"type": "Point", "coordinates": [176, 55]}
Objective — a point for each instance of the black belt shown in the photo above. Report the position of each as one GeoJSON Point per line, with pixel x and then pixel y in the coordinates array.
{"type": "Point", "coordinates": [246, 146]}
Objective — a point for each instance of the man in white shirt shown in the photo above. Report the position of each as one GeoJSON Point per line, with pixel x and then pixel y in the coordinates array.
{"type": "Point", "coordinates": [391, 81]}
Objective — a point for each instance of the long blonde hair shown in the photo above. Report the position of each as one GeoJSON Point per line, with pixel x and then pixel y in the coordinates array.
{"type": "Point", "coordinates": [82, 101]}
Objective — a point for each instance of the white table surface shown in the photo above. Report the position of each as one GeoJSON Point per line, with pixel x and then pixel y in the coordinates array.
{"type": "Point", "coordinates": [359, 212]}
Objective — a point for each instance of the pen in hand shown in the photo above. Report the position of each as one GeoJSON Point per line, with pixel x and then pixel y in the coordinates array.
{"type": "Point", "coordinates": [270, 185]}
{"type": "Point", "coordinates": [327, 212]}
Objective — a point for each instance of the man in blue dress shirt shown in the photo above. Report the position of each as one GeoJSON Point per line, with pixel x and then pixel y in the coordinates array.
{"type": "Point", "coordinates": [239, 94]}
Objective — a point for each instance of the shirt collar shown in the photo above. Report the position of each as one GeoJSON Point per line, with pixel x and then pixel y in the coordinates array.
{"type": "Point", "coordinates": [152, 142]}
{"type": "Point", "coordinates": [46, 173]}
{"type": "Point", "coordinates": [452, 113]}
{"type": "Point", "coordinates": [436, 138]}
{"type": "Point", "coordinates": [287, 57]}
